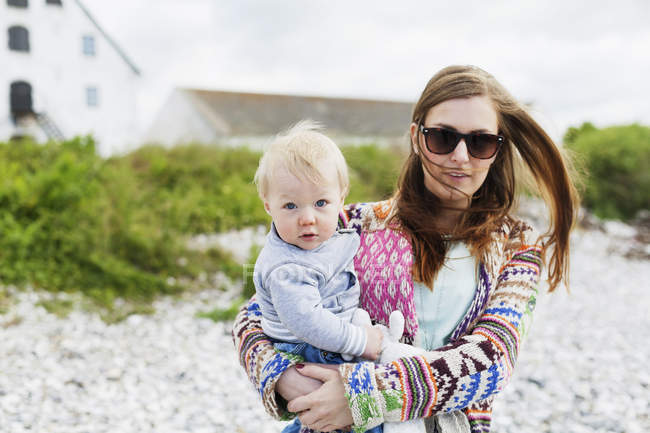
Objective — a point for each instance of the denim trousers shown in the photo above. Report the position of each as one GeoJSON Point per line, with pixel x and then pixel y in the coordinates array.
{"type": "Point", "coordinates": [313, 354]}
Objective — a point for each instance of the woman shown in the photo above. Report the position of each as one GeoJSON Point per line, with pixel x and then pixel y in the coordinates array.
{"type": "Point", "coordinates": [451, 212]}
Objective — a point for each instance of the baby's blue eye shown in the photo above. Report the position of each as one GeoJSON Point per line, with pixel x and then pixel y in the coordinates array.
{"type": "Point", "coordinates": [290, 206]}
{"type": "Point", "coordinates": [321, 203]}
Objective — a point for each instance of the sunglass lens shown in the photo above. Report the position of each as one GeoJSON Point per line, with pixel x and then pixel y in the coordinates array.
{"type": "Point", "coordinates": [441, 141]}
{"type": "Point", "coordinates": [483, 146]}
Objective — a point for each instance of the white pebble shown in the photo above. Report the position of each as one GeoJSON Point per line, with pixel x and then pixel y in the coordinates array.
{"type": "Point", "coordinates": [582, 369]}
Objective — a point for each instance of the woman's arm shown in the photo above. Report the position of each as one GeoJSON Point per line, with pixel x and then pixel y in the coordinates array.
{"type": "Point", "coordinates": [463, 374]}
{"type": "Point", "coordinates": [262, 363]}
{"type": "Point", "coordinates": [280, 376]}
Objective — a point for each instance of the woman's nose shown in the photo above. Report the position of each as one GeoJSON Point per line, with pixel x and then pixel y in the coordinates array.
{"type": "Point", "coordinates": [460, 153]}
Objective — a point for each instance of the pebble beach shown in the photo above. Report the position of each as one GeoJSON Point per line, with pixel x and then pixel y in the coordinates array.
{"type": "Point", "coordinates": [583, 367]}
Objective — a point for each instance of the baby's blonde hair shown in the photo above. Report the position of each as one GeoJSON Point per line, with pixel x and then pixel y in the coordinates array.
{"type": "Point", "coordinates": [301, 150]}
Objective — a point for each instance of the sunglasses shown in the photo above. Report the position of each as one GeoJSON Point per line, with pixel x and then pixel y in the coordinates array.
{"type": "Point", "coordinates": [442, 141]}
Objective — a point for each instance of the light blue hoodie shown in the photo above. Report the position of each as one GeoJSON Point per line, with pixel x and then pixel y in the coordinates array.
{"type": "Point", "coordinates": [310, 295]}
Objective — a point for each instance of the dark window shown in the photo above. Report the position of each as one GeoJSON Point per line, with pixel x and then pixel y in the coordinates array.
{"type": "Point", "coordinates": [92, 99]}
{"type": "Point", "coordinates": [21, 98]}
{"type": "Point", "coordinates": [89, 45]}
{"type": "Point", "coordinates": [53, 2]}
{"type": "Point", "coordinates": [17, 3]}
{"type": "Point", "coordinates": [18, 38]}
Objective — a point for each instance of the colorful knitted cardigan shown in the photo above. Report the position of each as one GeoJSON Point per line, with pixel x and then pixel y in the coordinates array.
{"type": "Point", "coordinates": [463, 375]}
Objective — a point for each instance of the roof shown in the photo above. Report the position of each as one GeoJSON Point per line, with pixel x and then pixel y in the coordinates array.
{"type": "Point", "coordinates": [108, 38]}
{"type": "Point", "coordinates": [234, 113]}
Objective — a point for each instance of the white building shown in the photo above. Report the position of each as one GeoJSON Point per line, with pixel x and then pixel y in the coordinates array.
{"type": "Point", "coordinates": [233, 118]}
{"type": "Point", "coordinates": [62, 75]}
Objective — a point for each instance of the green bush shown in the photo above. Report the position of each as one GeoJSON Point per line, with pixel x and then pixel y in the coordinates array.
{"type": "Point", "coordinates": [617, 161]}
{"type": "Point", "coordinates": [197, 188]}
{"type": "Point", "coordinates": [373, 172]}
{"type": "Point", "coordinates": [73, 221]}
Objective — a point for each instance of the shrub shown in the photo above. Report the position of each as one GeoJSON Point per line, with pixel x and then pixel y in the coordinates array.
{"type": "Point", "coordinates": [617, 160]}
{"type": "Point", "coordinates": [197, 188]}
{"type": "Point", "coordinates": [72, 221]}
{"type": "Point", "coordinates": [373, 172]}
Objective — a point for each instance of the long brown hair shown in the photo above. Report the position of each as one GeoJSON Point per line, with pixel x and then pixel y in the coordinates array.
{"type": "Point", "coordinates": [490, 207]}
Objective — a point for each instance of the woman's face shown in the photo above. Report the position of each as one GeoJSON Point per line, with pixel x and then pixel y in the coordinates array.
{"type": "Point", "coordinates": [456, 176]}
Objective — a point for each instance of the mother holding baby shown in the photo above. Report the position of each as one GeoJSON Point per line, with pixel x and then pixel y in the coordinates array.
{"type": "Point", "coordinates": [447, 252]}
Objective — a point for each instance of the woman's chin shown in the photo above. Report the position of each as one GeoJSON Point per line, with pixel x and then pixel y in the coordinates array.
{"type": "Point", "coordinates": [454, 198]}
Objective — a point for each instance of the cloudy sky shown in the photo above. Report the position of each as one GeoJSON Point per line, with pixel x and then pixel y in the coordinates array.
{"type": "Point", "coordinates": [574, 60]}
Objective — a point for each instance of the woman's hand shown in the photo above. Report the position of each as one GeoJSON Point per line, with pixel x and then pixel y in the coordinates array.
{"type": "Point", "coordinates": [292, 384]}
{"type": "Point", "coordinates": [325, 409]}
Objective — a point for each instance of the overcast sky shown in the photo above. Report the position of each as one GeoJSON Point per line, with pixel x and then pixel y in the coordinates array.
{"type": "Point", "coordinates": [573, 60]}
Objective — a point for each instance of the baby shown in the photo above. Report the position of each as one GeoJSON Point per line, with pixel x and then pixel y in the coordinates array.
{"type": "Point", "coordinates": [304, 276]}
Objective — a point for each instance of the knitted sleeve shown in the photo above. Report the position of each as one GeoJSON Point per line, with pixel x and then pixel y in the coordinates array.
{"type": "Point", "coordinates": [462, 375]}
{"type": "Point", "coordinates": [262, 363]}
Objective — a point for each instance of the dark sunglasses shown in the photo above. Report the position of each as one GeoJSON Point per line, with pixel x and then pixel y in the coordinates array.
{"type": "Point", "coordinates": [480, 145]}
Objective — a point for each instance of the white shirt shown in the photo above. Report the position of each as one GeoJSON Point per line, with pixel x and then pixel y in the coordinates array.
{"type": "Point", "coordinates": [439, 311]}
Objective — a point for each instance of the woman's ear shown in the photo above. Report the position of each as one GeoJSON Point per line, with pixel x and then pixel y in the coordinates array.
{"type": "Point", "coordinates": [414, 133]}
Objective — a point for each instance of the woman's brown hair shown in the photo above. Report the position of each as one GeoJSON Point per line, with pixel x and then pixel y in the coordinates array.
{"type": "Point", "coordinates": [490, 207]}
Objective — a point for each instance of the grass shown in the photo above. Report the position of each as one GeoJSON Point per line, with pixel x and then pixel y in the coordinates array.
{"type": "Point", "coordinates": [223, 314]}
{"type": "Point", "coordinates": [5, 300]}
{"type": "Point", "coordinates": [59, 307]}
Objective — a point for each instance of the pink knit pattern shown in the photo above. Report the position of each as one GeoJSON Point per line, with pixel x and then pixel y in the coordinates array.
{"type": "Point", "coordinates": [383, 265]}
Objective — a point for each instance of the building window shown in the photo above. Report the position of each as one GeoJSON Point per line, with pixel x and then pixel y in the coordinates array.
{"type": "Point", "coordinates": [17, 3]}
{"type": "Point", "coordinates": [89, 45]}
{"type": "Point", "coordinates": [20, 99]}
{"type": "Point", "coordinates": [92, 97]}
{"type": "Point", "coordinates": [18, 38]}
{"type": "Point", "coordinates": [53, 2]}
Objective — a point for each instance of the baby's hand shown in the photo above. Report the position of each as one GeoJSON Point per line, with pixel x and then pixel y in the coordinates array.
{"type": "Point", "coordinates": [373, 346]}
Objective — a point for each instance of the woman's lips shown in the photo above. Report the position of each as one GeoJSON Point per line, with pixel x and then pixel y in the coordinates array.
{"type": "Point", "coordinates": [457, 175]}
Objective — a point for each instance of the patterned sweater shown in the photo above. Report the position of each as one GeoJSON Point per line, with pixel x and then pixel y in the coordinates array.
{"type": "Point", "coordinates": [462, 375]}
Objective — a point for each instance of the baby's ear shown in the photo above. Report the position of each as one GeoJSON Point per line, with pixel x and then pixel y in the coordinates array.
{"type": "Point", "coordinates": [267, 207]}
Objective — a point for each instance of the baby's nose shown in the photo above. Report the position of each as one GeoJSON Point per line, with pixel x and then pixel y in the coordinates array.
{"type": "Point", "coordinates": [307, 217]}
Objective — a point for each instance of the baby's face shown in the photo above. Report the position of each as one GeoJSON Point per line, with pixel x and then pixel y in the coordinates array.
{"type": "Point", "coordinates": [304, 214]}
